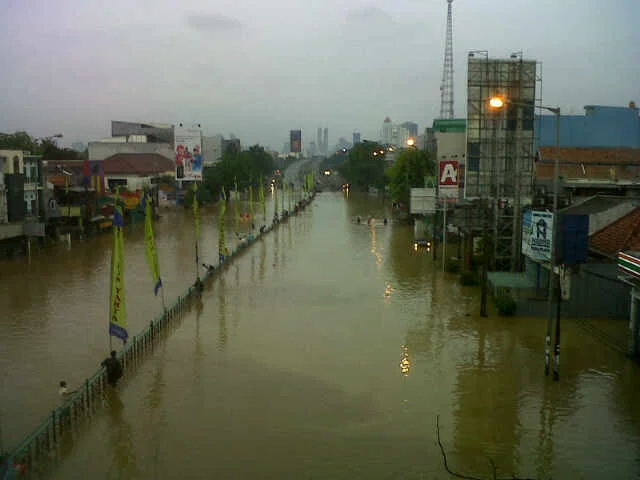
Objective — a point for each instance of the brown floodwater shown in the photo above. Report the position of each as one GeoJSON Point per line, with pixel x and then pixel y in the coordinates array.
{"type": "Point", "coordinates": [326, 350]}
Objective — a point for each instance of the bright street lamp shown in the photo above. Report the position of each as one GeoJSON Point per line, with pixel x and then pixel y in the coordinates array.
{"type": "Point", "coordinates": [410, 142]}
{"type": "Point", "coordinates": [497, 103]}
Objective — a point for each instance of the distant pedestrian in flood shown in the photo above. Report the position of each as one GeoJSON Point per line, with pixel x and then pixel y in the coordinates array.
{"type": "Point", "coordinates": [63, 390]}
{"type": "Point", "coordinates": [113, 367]}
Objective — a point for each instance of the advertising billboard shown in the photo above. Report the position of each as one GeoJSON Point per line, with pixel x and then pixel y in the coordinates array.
{"type": "Point", "coordinates": [537, 235]}
{"type": "Point", "coordinates": [295, 139]}
{"type": "Point", "coordinates": [188, 153]}
{"type": "Point", "coordinates": [448, 180]}
{"type": "Point", "coordinates": [422, 200]}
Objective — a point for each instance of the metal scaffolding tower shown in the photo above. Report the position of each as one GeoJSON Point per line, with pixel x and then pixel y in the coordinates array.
{"type": "Point", "coordinates": [446, 87]}
{"type": "Point", "coordinates": [500, 147]}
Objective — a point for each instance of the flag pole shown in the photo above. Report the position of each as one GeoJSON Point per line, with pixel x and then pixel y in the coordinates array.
{"type": "Point", "coordinates": [196, 218]}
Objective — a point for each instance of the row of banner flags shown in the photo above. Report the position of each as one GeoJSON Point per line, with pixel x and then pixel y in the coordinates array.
{"type": "Point", "coordinates": [117, 303]}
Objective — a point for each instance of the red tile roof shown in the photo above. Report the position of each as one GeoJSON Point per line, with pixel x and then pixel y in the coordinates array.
{"type": "Point", "coordinates": [623, 234]}
{"type": "Point", "coordinates": [589, 163]}
{"type": "Point", "coordinates": [141, 164]}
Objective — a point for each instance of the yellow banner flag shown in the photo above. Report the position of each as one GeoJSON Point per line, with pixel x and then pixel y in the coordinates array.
{"type": "Point", "coordinates": [251, 207]}
{"type": "Point", "coordinates": [222, 249]}
{"type": "Point", "coordinates": [118, 310]}
{"type": "Point", "coordinates": [263, 205]}
{"type": "Point", "coordinates": [150, 247]}
{"type": "Point", "coordinates": [236, 205]}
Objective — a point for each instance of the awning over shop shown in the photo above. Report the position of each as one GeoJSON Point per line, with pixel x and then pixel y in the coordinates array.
{"type": "Point", "coordinates": [629, 267]}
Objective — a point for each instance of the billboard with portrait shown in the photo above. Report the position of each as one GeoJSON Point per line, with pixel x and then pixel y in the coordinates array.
{"type": "Point", "coordinates": [188, 153]}
{"type": "Point", "coordinates": [537, 235]}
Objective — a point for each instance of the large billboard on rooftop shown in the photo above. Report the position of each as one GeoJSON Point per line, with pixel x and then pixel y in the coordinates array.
{"type": "Point", "coordinates": [188, 153]}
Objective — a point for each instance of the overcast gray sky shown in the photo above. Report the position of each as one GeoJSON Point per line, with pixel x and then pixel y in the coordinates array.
{"type": "Point", "coordinates": [258, 68]}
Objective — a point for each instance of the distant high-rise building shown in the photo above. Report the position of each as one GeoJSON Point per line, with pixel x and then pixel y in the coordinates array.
{"type": "Point", "coordinates": [356, 138]}
{"type": "Point", "coordinates": [212, 149]}
{"type": "Point", "coordinates": [295, 138]}
{"type": "Point", "coordinates": [411, 128]}
{"type": "Point", "coordinates": [393, 134]}
{"type": "Point", "coordinates": [319, 141]}
{"type": "Point", "coordinates": [387, 131]}
{"type": "Point", "coordinates": [325, 141]}
{"type": "Point", "coordinates": [342, 143]}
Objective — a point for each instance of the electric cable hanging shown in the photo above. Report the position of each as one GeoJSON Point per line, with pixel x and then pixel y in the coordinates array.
{"type": "Point", "coordinates": [468, 477]}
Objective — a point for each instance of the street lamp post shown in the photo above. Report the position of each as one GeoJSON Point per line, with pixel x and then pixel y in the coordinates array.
{"type": "Point", "coordinates": [553, 293]}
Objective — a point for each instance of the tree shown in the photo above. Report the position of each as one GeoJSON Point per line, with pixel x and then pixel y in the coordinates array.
{"type": "Point", "coordinates": [20, 141]}
{"type": "Point", "coordinates": [241, 167]}
{"type": "Point", "coordinates": [364, 166]}
{"type": "Point", "coordinates": [408, 171]}
{"type": "Point", "coordinates": [46, 146]}
{"type": "Point", "coordinates": [335, 161]}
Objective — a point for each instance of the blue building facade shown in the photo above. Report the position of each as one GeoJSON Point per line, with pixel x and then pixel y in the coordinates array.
{"type": "Point", "coordinates": [600, 126]}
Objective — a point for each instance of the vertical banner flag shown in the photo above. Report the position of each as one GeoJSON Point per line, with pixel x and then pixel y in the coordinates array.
{"type": "Point", "coordinates": [188, 153]}
{"type": "Point", "coordinates": [196, 211]}
{"type": "Point", "coordinates": [150, 246]}
{"type": "Point", "coordinates": [221, 213]}
{"type": "Point", "coordinates": [236, 204]}
{"type": "Point", "coordinates": [85, 173]}
{"type": "Point", "coordinates": [275, 198]}
{"type": "Point", "coordinates": [251, 207]}
{"type": "Point", "coordinates": [118, 310]}
{"type": "Point", "coordinates": [263, 205]}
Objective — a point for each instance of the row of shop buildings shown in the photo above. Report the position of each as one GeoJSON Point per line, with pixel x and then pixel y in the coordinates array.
{"type": "Point", "coordinates": [504, 161]}
{"type": "Point", "coordinates": [38, 197]}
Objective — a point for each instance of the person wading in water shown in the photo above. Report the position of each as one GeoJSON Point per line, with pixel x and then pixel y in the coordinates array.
{"type": "Point", "coordinates": [113, 367]}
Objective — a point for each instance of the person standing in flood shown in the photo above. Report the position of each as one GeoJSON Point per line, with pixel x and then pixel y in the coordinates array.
{"type": "Point", "coordinates": [113, 367]}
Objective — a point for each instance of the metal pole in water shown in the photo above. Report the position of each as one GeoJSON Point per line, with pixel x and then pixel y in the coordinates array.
{"type": "Point", "coordinates": [556, 365]}
{"type": "Point", "coordinates": [554, 230]}
{"type": "Point", "coordinates": [444, 238]}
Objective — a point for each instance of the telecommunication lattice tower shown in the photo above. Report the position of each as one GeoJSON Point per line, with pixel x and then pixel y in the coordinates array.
{"type": "Point", "coordinates": [446, 87]}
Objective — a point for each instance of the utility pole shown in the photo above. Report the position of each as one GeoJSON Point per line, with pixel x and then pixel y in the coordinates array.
{"type": "Point", "coordinates": [554, 282]}
{"type": "Point", "coordinates": [485, 261]}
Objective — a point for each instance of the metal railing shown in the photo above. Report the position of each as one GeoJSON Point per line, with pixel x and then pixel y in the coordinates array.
{"type": "Point", "coordinates": [40, 446]}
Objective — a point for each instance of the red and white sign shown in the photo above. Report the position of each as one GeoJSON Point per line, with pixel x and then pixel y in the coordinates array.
{"type": "Point", "coordinates": [448, 180]}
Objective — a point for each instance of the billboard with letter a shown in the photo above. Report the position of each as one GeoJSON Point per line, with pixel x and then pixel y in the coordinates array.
{"type": "Point", "coordinates": [295, 137]}
{"type": "Point", "coordinates": [448, 180]}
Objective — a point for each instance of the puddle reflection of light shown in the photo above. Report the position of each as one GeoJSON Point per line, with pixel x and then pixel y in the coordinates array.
{"type": "Point", "coordinates": [374, 249]}
{"type": "Point", "coordinates": [405, 363]}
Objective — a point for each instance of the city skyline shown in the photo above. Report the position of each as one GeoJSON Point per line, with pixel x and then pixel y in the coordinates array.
{"type": "Point", "coordinates": [248, 69]}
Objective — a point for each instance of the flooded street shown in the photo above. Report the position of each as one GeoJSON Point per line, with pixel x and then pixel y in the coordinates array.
{"type": "Point", "coordinates": [326, 350]}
